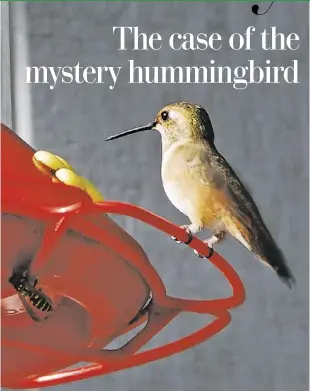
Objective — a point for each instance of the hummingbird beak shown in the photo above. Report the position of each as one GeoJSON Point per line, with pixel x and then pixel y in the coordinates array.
{"type": "Point", "coordinates": [132, 131]}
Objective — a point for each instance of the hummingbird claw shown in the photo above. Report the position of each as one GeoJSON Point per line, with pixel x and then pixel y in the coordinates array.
{"type": "Point", "coordinates": [211, 251]}
{"type": "Point", "coordinates": [210, 243]}
{"type": "Point", "coordinates": [190, 236]}
{"type": "Point", "coordinates": [175, 239]}
{"type": "Point", "coordinates": [198, 255]}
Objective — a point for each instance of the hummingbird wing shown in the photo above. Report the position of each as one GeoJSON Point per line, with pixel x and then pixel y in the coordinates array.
{"type": "Point", "coordinates": [242, 217]}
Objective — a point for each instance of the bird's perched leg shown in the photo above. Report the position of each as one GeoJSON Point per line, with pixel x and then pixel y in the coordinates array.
{"type": "Point", "coordinates": [216, 238]}
{"type": "Point", "coordinates": [191, 229]}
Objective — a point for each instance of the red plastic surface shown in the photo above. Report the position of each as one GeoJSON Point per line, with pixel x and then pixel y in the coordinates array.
{"type": "Point", "coordinates": [97, 290]}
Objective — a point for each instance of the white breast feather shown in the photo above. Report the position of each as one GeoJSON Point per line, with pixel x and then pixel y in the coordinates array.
{"type": "Point", "coordinates": [174, 192]}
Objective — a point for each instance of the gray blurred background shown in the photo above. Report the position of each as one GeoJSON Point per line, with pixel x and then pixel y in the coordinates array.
{"type": "Point", "coordinates": [263, 133]}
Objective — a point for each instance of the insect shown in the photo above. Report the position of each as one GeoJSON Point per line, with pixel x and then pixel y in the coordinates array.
{"type": "Point", "coordinates": [35, 296]}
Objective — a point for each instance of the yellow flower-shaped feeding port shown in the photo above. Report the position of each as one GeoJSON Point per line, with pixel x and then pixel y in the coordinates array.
{"type": "Point", "coordinates": [59, 170]}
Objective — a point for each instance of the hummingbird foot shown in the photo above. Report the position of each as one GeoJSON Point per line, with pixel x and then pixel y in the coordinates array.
{"type": "Point", "coordinates": [190, 229]}
{"type": "Point", "coordinates": [203, 256]}
{"type": "Point", "coordinates": [216, 238]}
{"type": "Point", "coordinates": [190, 237]}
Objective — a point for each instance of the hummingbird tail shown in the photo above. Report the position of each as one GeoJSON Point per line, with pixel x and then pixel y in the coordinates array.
{"type": "Point", "coordinates": [261, 243]}
{"type": "Point", "coordinates": [268, 252]}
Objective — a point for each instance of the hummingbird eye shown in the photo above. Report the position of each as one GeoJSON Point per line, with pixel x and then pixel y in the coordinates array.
{"type": "Point", "coordinates": [165, 115]}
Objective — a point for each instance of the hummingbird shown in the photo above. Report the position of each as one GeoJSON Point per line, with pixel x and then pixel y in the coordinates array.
{"type": "Point", "coordinates": [201, 184]}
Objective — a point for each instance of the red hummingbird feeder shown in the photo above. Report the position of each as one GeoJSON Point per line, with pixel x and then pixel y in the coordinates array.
{"type": "Point", "coordinates": [96, 275]}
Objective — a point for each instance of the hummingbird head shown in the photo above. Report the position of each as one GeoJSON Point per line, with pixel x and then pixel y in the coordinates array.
{"type": "Point", "coordinates": [184, 120]}
{"type": "Point", "coordinates": [178, 121]}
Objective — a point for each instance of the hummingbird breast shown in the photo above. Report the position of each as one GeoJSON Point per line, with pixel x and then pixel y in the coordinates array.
{"type": "Point", "coordinates": [186, 185]}
{"type": "Point", "coordinates": [179, 198]}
